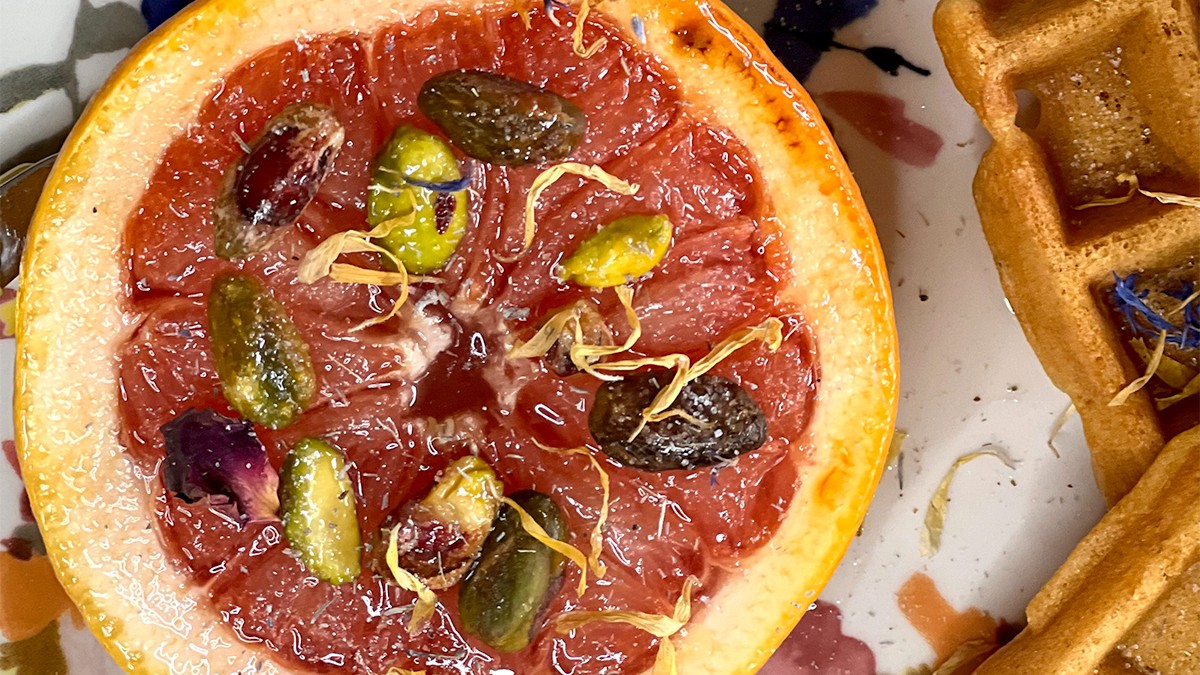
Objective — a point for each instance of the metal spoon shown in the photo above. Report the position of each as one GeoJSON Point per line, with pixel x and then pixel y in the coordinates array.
{"type": "Point", "coordinates": [20, 188]}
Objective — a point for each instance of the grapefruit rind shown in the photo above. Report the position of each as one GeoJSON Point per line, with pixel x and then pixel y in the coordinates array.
{"type": "Point", "coordinates": [90, 499]}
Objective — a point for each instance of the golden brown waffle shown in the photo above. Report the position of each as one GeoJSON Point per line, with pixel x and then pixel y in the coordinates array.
{"type": "Point", "coordinates": [1128, 598]}
{"type": "Point", "coordinates": [1075, 93]}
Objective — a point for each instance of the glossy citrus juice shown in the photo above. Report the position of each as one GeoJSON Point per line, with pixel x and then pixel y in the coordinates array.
{"type": "Point", "coordinates": [404, 398]}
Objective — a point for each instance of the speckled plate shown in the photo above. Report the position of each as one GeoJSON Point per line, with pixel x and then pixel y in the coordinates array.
{"type": "Point", "coordinates": [969, 380]}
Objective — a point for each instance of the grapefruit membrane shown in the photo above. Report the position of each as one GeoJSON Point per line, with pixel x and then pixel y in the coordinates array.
{"type": "Point", "coordinates": [764, 300]}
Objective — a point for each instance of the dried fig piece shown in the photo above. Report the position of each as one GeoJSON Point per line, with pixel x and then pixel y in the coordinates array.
{"type": "Point", "coordinates": [270, 186]}
{"type": "Point", "coordinates": [717, 421]}
{"type": "Point", "coordinates": [501, 120]}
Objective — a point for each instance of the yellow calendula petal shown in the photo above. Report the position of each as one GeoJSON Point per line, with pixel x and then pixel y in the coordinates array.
{"type": "Point", "coordinates": [403, 671]}
{"type": "Point", "coordinates": [583, 355]}
{"type": "Point", "coordinates": [894, 448]}
{"type": "Point", "coordinates": [350, 274]}
{"type": "Point", "coordinates": [1173, 373]}
{"type": "Point", "coordinates": [320, 262]}
{"type": "Point", "coordinates": [1189, 390]}
{"type": "Point", "coordinates": [596, 541]}
{"type": "Point", "coordinates": [770, 332]}
{"type": "Point", "coordinates": [548, 177]}
{"type": "Point", "coordinates": [664, 660]}
{"type": "Point", "coordinates": [1183, 305]}
{"type": "Point", "coordinates": [1135, 188]}
{"type": "Point", "coordinates": [935, 514]}
{"type": "Point", "coordinates": [1171, 198]}
{"type": "Point", "coordinates": [561, 547]}
{"type": "Point", "coordinates": [658, 625]}
{"type": "Point", "coordinates": [577, 35]}
{"type": "Point", "coordinates": [426, 599]}
{"type": "Point", "coordinates": [1058, 425]}
{"type": "Point", "coordinates": [383, 318]}
{"type": "Point", "coordinates": [547, 335]}
{"type": "Point", "coordinates": [1113, 201]}
{"type": "Point", "coordinates": [1151, 368]}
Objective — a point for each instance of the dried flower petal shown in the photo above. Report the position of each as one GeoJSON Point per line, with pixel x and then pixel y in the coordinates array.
{"type": "Point", "coordinates": [1058, 425]}
{"type": "Point", "coordinates": [935, 514]}
{"type": "Point", "coordinates": [577, 35]}
{"type": "Point", "coordinates": [658, 625]}
{"type": "Point", "coordinates": [562, 548]}
{"type": "Point", "coordinates": [548, 178]}
{"type": "Point", "coordinates": [1135, 188]}
{"type": "Point", "coordinates": [320, 263]}
{"type": "Point", "coordinates": [1189, 390]}
{"type": "Point", "coordinates": [894, 448]}
{"type": "Point", "coordinates": [596, 541]}
{"type": "Point", "coordinates": [220, 458]}
{"type": "Point", "coordinates": [1151, 368]}
{"type": "Point", "coordinates": [1173, 373]}
{"type": "Point", "coordinates": [426, 599]}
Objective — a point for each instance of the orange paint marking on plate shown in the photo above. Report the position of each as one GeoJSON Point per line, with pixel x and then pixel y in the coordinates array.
{"type": "Point", "coordinates": [942, 626]}
{"type": "Point", "coordinates": [32, 597]}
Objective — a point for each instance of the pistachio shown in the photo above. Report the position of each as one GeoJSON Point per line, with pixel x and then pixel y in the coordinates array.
{"type": "Point", "coordinates": [267, 189]}
{"type": "Point", "coordinates": [508, 589]}
{"type": "Point", "coordinates": [501, 120]}
{"type": "Point", "coordinates": [319, 516]}
{"type": "Point", "coordinates": [440, 536]}
{"type": "Point", "coordinates": [417, 173]}
{"type": "Point", "coordinates": [623, 250]}
{"type": "Point", "coordinates": [261, 359]}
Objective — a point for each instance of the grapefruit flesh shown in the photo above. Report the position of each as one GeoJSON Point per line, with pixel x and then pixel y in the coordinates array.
{"type": "Point", "coordinates": [384, 401]}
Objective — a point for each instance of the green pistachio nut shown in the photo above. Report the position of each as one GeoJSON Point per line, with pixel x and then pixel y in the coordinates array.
{"type": "Point", "coordinates": [511, 584]}
{"type": "Point", "coordinates": [468, 495]}
{"type": "Point", "coordinates": [438, 219]}
{"type": "Point", "coordinates": [621, 251]}
{"type": "Point", "coordinates": [318, 511]}
{"type": "Point", "coordinates": [501, 120]}
{"type": "Point", "coordinates": [262, 361]}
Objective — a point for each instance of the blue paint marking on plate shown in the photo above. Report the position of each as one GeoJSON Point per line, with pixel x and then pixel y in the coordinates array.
{"type": "Point", "coordinates": [158, 11]}
{"type": "Point", "coordinates": [801, 31]}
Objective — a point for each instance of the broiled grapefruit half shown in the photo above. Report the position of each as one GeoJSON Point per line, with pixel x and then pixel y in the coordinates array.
{"type": "Point", "coordinates": [675, 159]}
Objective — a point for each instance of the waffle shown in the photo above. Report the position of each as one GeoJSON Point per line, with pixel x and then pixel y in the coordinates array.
{"type": "Point", "coordinates": [1127, 600]}
{"type": "Point", "coordinates": [1076, 93]}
